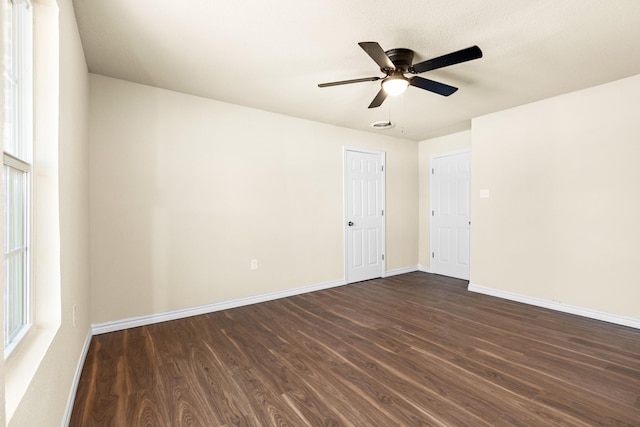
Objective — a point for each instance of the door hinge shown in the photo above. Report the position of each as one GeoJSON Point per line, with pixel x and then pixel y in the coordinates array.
{"type": "Point", "coordinates": [382, 168]}
{"type": "Point", "coordinates": [432, 171]}
{"type": "Point", "coordinates": [433, 213]}
{"type": "Point", "coordinates": [382, 212]}
{"type": "Point", "coordinates": [383, 257]}
{"type": "Point", "coordinates": [433, 254]}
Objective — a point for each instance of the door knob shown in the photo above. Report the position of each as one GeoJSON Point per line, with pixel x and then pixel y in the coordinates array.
{"type": "Point", "coordinates": [350, 223]}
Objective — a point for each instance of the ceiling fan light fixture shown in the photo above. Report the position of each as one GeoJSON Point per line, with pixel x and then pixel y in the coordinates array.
{"type": "Point", "coordinates": [395, 85]}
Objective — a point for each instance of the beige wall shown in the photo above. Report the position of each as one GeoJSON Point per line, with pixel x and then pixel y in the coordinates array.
{"type": "Point", "coordinates": [426, 150]}
{"type": "Point", "coordinates": [46, 398]}
{"type": "Point", "coordinates": [185, 191]}
{"type": "Point", "coordinates": [561, 222]}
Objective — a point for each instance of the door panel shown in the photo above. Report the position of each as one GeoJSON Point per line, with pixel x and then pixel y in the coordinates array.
{"type": "Point", "coordinates": [364, 206]}
{"type": "Point", "coordinates": [450, 215]}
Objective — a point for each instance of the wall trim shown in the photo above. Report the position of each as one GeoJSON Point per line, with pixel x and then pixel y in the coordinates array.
{"type": "Point", "coordinates": [133, 322]}
{"type": "Point", "coordinates": [557, 306]}
{"type": "Point", "coordinates": [76, 379]}
{"type": "Point", "coordinates": [403, 270]}
{"type": "Point", "coordinates": [424, 269]}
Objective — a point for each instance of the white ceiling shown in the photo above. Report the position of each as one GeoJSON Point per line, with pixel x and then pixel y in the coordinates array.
{"type": "Point", "coordinates": [272, 54]}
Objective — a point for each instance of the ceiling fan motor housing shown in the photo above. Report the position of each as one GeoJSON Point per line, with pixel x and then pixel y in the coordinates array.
{"type": "Point", "coordinates": [401, 58]}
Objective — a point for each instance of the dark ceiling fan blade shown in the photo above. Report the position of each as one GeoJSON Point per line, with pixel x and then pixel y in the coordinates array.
{"type": "Point", "coordinates": [432, 86]}
{"type": "Point", "coordinates": [452, 58]}
{"type": "Point", "coordinates": [346, 82]}
{"type": "Point", "coordinates": [376, 53]}
{"type": "Point", "coordinates": [379, 99]}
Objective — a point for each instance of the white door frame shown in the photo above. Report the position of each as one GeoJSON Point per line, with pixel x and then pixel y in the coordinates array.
{"type": "Point", "coordinates": [431, 201]}
{"type": "Point", "coordinates": [382, 154]}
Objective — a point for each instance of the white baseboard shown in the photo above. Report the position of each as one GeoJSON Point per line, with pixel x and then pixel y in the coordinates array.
{"type": "Point", "coordinates": [398, 271]}
{"type": "Point", "coordinates": [76, 380]}
{"type": "Point", "coordinates": [424, 269]}
{"type": "Point", "coordinates": [119, 325]}
{"type": "Point", "coordinates": [557, 306]}
{"type": "Point", "coordinates": [133, 322]}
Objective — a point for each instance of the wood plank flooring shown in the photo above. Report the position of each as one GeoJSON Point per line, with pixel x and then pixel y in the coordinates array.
{"type": "Point", "coordinates": [410, 350]}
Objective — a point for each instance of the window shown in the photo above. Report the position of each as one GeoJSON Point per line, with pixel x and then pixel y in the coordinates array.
{"type": "Point", "coordinates": [17, 177]}
{"type": "Point", "coordinates": [32, 290]}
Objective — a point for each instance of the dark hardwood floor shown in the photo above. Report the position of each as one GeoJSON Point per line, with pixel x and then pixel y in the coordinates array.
{"type": "Point", "coordinates": [410, 350]}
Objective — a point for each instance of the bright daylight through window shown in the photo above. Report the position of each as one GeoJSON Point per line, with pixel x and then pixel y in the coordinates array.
{"type": "Point", "coordinates": [17, 147]}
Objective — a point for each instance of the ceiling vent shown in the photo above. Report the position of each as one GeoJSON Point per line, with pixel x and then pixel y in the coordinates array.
{"type": "Point", "coordinates": [382, 125]}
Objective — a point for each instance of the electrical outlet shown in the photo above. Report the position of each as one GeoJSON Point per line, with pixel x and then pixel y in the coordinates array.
{"type": "Point", "coordinates": [254, 264]}
{"type": "Point", "coordinates": [75, 312]}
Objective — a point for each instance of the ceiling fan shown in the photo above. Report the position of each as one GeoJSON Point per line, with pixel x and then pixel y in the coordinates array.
{"type": "Point", "coordinates": [395, 63]}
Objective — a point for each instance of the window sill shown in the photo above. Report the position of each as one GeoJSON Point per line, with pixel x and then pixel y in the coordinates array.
{"type": "Point", "coordinates": [22, 364]}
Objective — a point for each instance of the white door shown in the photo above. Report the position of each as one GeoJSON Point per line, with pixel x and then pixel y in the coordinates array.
{"type": "Point", "coordinates": [449, 230]}
{"type": "Point", "coordinates": [364, 215]}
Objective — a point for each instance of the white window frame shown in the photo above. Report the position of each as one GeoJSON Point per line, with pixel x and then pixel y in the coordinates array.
{"type": "Point", "coordinates": [18, 153]}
